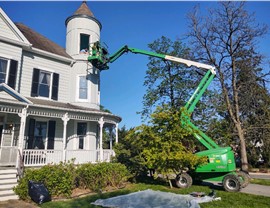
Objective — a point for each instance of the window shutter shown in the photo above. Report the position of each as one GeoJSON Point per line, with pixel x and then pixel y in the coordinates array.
{"type": "Point", "coordinates": [35, 79]}
{"type": "Point", "coordinates": [51, 134]}
{"type": "Point", "coordinates": [12, 73]}
{"type": "Point", "coordinates": [55, 86]}
{"type": "Point", "coordinates": [31, 133]}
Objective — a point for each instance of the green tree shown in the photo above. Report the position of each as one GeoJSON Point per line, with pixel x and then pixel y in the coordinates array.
{"type": "Point", "coordinates": [222, 39]}
{"type": "Point", "coordinates": [166, 82]}
{"type": "Point", "coordinates": [255, 102]}
{"type": "Point", "coordinates": [160, 146]}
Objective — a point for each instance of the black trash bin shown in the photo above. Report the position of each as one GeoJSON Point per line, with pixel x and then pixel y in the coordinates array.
{"type": "Point", "coordinates": [38, 192]}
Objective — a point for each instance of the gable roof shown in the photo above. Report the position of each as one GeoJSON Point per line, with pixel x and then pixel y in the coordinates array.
{"type": "Point", "coordinates": [14, 33]}
{"type": "Point", "coordinates": [41, 42]}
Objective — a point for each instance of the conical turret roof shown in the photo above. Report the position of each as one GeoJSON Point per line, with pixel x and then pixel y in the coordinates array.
{"type": "Point", "coordinates": [84, 10]}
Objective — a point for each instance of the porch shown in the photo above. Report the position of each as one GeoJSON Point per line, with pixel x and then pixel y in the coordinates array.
{"type": "Point", "coordinates": [36, 135]}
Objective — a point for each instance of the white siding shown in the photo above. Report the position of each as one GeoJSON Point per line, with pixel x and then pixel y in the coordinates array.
{"type": "Point", "coordinates": [75, 27]}
{"type": "Point", "coordinates": [12, 52]}
{"type": "Point", "coordinates": [5, 30]}
{"type": "Point", "coordinates": [4, 95]}
{"type": "Point", "coordinates": [31, 61]}
{"type": "Point", "coordinates": [71, 136]}
{"type": "Point", "coordinates": [58, 140]}
{"type": "Point", "coordinates": [79, 68]}
{"type": "Point", "coordinates": [92, 136]}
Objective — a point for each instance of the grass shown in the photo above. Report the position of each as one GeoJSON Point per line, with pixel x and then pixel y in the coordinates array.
{"type": "Point", "coordinates": [228, 200]}
{"type": "Point", "coordinates": [265, 182]}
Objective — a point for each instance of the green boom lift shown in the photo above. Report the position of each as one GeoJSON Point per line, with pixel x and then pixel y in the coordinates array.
{"type": "Point", "coordinates": [221, 163]}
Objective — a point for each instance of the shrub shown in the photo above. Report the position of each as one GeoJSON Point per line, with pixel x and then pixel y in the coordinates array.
{"type": "Point", "coordinates": [59, 180]}
{"type": "Point", "coordinates": [98, 176]}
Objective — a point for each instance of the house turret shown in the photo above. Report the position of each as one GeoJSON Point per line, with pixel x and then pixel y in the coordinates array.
{"type": "Point", "coordinates": [82, 30]}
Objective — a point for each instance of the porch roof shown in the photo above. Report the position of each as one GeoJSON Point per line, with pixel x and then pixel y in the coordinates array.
{"type": "Point", "coordinates": [68, 107]}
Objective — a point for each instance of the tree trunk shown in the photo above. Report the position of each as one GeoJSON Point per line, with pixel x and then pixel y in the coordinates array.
{"type": "Point", "coordinates": [243, 152]}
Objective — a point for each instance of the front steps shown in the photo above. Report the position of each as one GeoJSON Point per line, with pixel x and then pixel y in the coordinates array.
{"type": "Point", "coordinates": [8, 180]}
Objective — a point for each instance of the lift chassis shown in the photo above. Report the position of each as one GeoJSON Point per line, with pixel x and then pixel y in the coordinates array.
{"type": "Point", "coordinates": [221, 163]}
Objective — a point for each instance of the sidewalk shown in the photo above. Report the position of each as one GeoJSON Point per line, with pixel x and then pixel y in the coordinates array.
{"type": "Point", "coordinates": [257, 189]}
{"type": "Point", "coordinates": [16, 204]}
{"type": "Point", "coordinates": [260, 175]}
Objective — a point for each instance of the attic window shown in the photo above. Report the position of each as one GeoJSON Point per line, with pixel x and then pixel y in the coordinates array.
{"type": "Point", "coordinates": [84, 41]}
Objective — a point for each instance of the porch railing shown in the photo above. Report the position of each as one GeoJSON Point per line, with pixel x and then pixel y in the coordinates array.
{"type": "Point", "coordinates": [33, 157]}
{"type": "Point", "coordinates": [41, 157]}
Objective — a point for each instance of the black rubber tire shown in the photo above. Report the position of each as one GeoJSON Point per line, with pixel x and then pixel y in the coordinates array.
{"type": "Point", "coordinates": [231, 183]}
{"type": "Point", "coordinates": [183, 180]}
{"type": "Point", "coordinates": [245, 177]}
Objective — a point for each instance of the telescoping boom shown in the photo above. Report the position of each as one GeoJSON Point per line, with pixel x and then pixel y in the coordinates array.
{"type": "Point", "coordinates": [100, 59]}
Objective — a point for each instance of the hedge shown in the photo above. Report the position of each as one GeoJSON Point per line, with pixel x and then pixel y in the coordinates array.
{"type": "Point", "coordinates": [62, 178]}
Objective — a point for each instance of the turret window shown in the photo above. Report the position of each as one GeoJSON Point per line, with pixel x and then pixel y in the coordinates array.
{"type": "Point", "coordinates": [83, 88]}
{"type": "Point", "coordinates": [84, 43]}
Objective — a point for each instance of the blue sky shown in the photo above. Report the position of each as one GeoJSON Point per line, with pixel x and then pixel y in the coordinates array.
{"type": "Point", "coordinates": [123, 23]}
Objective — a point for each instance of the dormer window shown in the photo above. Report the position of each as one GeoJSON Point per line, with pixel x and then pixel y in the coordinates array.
{"type": "Point", "coordinates": [8, 71]}
{"type": "Point", "coordinates": [84, 42]}
{"type": "Point", "coordinates": [45, 84]}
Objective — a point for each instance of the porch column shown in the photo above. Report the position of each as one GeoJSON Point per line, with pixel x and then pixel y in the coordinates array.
{"type": "Point", "coordinates": [23, 116]}
{"type": "Point", "coordinates": [111, 138]}
{"type": "Point", "coordinates": [65, 120]}
{"type": "Point", "coordinates": [116, 133]}
{"type": "Point", "coordinates": [101, 123]}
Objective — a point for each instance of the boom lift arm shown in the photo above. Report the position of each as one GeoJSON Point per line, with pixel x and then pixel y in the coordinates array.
{"type": "Point", "coordinates": [100, 60]}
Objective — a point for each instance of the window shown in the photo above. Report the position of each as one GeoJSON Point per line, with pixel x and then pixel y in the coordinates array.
{"type": "Point", "coordinates": [41, 134]}
{"type": "Point", "coordinates": [45, 84]}
{"type": "Point", "coordinates": [81, 133]}
{"type": "Point", "coordinates": [84, 41]}
{"type": "Point", "coordinates": [3, 70]}
{"type": "Point", "coordinates": [83, 87]}
{"type": "Point", "coordinates": [8, 71]}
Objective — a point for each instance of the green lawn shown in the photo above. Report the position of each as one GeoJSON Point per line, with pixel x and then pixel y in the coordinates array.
{"type": "Point", "coordinates": [265, 182]}
{"type": "Point", "coordinates": [235, 200]}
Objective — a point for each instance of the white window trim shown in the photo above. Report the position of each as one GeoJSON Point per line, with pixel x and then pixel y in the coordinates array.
{"type": "Point", "coordinates": [45, 69]}
{"type": "Point", "coordinates": [8, 66]}
{"type": "Point", "coordinates": [79, 42]}
{"type": "Point", "coordinates": [78, 89]}
{"type": "Point", "coordinates": [51, 82]}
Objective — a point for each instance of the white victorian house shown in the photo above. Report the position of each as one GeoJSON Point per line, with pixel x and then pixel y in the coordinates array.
{"type": "Point", "coordinates": [50, 96]}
